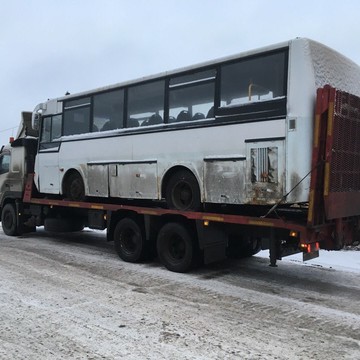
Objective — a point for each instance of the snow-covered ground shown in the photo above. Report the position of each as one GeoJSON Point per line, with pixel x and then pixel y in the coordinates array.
{"type": "Point", "coordinates": [68, 296]}
{"type": "Point", "coordinates": [345, 260]}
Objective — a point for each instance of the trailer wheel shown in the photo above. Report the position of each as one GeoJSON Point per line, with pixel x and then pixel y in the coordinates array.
{"type": "Point", "coordinates": [243, 248]}
{"type": "Point", "coordinates": [8, 220]}
{"type": "Point", "coordinates": [182, 191]}
{"type": "Point", "coordinates": [175, 247]}
{"type": "Point", "coordinates": [129, 240]}
{"type": "Point", "coordinates": [74, 187]}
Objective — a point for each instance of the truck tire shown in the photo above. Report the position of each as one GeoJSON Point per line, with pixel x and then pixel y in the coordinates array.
{"type": "Point", "coordinates": [129, 240]}
{"type": "Point", "coordinates": [175, 247]}
{"type": "Point", "coordinates": [243, 248]}
{"type": "Point", "coordinates": [63, 225]}
{"type": "Point", "coordinates": [182, 192]}
{"type": "Point", "coordinates": [8, 220]}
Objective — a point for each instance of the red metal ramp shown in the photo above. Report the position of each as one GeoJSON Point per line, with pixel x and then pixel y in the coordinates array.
{"type": "Point", "coordinates": [335, 182]}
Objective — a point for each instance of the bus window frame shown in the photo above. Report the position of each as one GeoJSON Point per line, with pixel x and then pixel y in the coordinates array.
{"type": "Point", "coordinates": [249, 112]}
{"type": "Point", "coordinates": [51, 143]}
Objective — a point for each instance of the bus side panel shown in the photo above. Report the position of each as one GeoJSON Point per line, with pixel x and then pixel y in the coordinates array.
{"type": "Point", "coordinates": [98, 180]}
{"type": "Point", "coordinates": [224, 181]}
{"type": "Point", "coordinates": [138, 161]}
{"type": "Point", "coordinates": [134, 180]}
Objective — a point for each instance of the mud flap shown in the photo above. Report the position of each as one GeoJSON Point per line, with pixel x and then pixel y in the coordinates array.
{"type": "Point", "coordinates": [213, 241]}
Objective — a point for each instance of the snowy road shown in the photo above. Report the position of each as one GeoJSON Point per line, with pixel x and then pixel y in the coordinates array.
{"type": "Point", "coordinates": [70, 297]}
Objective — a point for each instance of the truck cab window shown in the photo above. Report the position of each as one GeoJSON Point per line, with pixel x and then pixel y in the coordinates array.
{"type": "Point", "coordinates": [4, 163]}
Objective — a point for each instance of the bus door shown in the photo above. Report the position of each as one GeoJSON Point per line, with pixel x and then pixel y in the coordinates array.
{"type": "Point", "coordinates": [47, 172]}
{"type": "Point", "coordinates": [47, 169]}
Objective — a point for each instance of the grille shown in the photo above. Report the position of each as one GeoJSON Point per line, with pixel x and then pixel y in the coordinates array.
{"type": "Point", "coordinates": [264, 165]}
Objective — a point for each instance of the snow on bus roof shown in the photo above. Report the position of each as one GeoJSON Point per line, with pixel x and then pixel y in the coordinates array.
{"type": "Point", "coordinates": [333, 68]}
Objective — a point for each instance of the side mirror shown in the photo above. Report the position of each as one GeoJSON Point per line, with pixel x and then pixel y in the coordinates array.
{"type": "Point", "coordinates": [35, 120]}
{"type": "Point", "coordinates": [36, 115]}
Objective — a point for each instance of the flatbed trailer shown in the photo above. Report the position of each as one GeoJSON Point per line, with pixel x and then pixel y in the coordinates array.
{"type": "Point", "coordinates": [330, 220]}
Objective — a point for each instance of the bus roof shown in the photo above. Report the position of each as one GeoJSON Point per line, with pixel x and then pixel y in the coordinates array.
{"type": "Point", "coordinates": [184, 69]}
{"type": "Point", "coordinates": [318, 53]}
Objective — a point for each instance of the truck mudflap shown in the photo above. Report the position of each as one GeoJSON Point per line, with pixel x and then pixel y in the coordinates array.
{"type": "Point", "coordinates": [334, 206]}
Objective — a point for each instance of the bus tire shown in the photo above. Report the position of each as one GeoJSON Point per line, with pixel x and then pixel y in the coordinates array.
{"type": "Point", "coordinates": [129, 240]}
{"type": "Point", "coordinates": [175, 247]}
{"type": "Point", "coordinates": [182, 192]}
{"type": "Point", "coordinates": [74, 187]}
{"type": "Point", "coordinates": [8, 220]}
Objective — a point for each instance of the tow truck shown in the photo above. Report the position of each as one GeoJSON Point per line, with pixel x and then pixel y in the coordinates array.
{"type": "Point", "coordinates": [330, 220]}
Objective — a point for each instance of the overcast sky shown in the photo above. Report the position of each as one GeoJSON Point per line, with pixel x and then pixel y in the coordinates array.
{"type": "Point", "coordinates": [49, 47]}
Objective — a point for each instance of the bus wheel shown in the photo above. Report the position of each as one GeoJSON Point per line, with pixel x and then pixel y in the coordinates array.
{"type": "Point", "coordinates": [8, 220]}
{"type": "Point", "coordinates": [175, 247]}
{"type": "Point", "coordinates": [74, 188]}
{"type": "Point", "coordinates": [129, 241]}
{"type": "Point", "coordinates": [182, 192]}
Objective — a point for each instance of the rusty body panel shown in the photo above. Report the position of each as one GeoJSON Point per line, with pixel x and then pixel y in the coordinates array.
{"type": "Point", "coordinates": [126, 179]}
{"type": "Point", "coordinates": [265, 175]}
{"type": "Point", "coordinates": [224, 180]}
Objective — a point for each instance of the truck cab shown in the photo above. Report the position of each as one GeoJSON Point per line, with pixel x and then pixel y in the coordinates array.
{"type": "Point", "coordinates": [16, 161]}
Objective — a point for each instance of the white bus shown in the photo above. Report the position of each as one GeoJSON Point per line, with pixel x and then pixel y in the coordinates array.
{"type": "Point", "coordinates": [232, 131]}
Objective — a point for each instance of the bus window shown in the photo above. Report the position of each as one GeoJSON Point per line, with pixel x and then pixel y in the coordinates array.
{"type": "Point", "coordinates": [77, 116]}
{"type": "Point", "coordinates": [108, 111]}
{"type": "Point", "coordinates": [56, 127]}
{"type": "Point", "coordinates": [146, 104]}
{"type": "Point", "coordinates": [192, 96]}
{"type": "Point", "coordinates": [252, 80]}
{"type": "Point", "coordinates": [46, 129]}
{"type": "Point", "coordinates": [51, 128]}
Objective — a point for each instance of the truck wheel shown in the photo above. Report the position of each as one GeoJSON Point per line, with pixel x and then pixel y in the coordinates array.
{"type": "Point", "coordinates": [63, 225]}
{"type": "Point", "coordinates": [175, 247]}
{"type": "Point", "coordinates": [182, 191]}
{"type": "Point", "coordinates": [8, 220]}
{"type": "Point", "coordinates": [129, 241]}
{"type": "Point", "coordinates": [243, 248]}
{"type": "Point", "coordinates": [74, 188]}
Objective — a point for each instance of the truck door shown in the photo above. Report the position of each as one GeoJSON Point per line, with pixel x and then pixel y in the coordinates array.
{"type": "Point", "coordinates": [4, 172]}
{"type": "Point", "coordinates": [12, 171]}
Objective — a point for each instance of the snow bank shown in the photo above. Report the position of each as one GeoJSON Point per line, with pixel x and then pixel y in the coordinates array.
{"type": "Point", "coordinates": [343, 260]}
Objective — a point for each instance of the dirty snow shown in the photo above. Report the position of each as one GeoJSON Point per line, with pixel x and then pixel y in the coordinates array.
{"type": "Point", "coordinates": [68, 296]}
{"type": "Point", "coordinates": [344, 260]}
